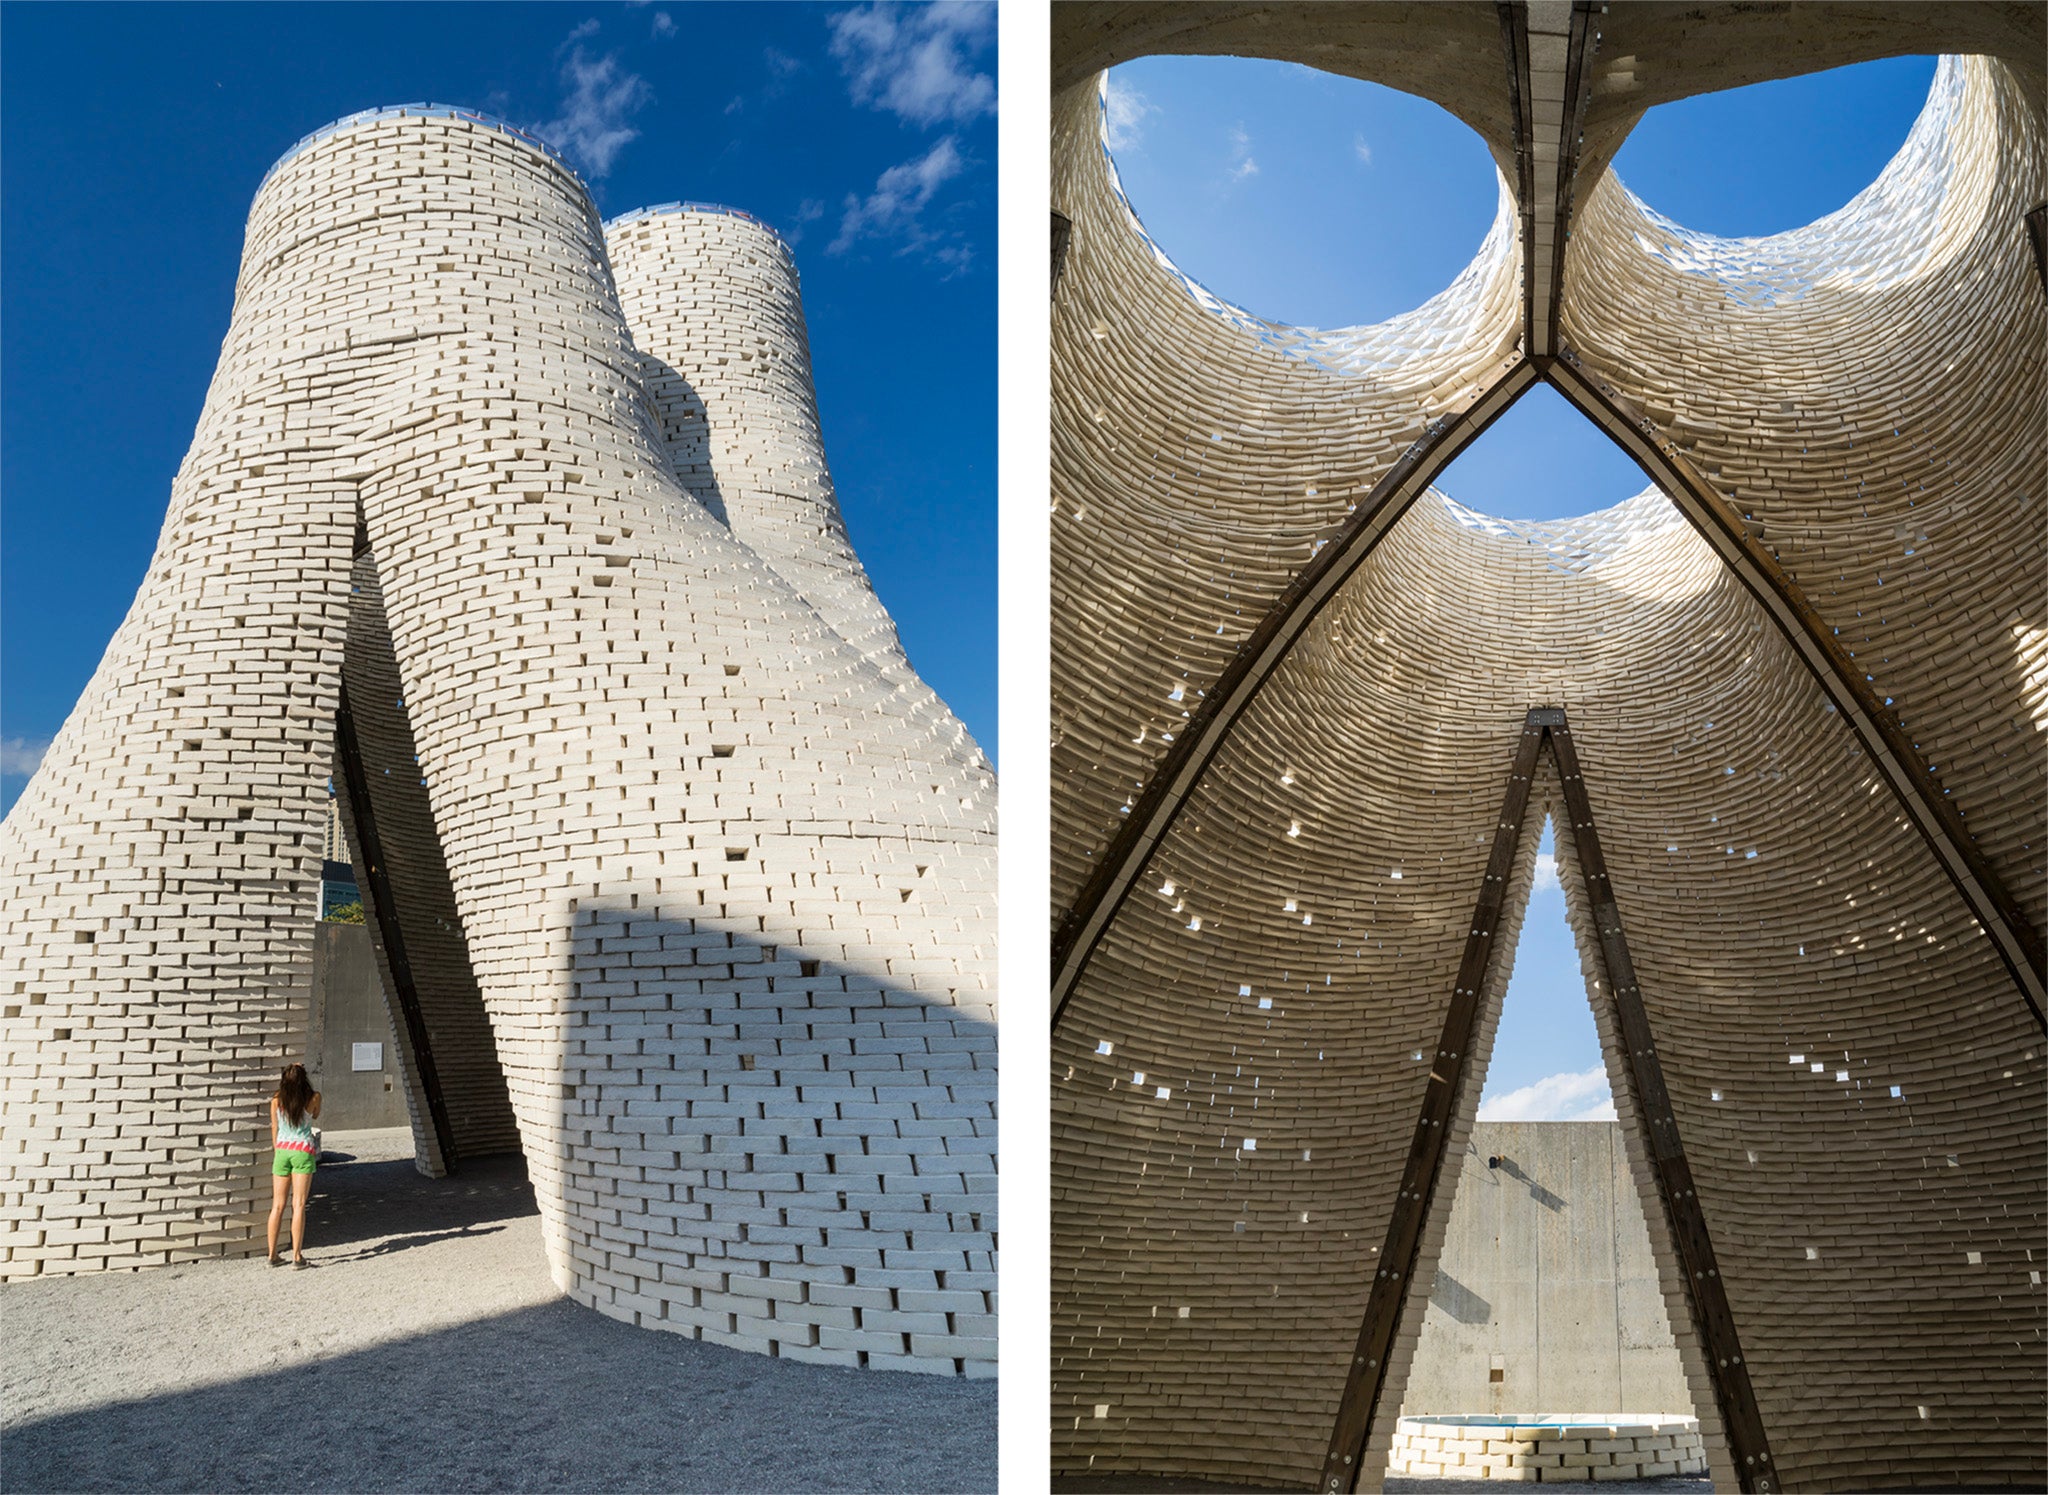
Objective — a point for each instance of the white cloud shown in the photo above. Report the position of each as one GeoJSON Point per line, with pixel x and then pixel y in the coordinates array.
{"type": "Point", "coordinates": [588, 28]}
{"type": "Point", "coordinates": [20, 756]}
{"type": "Point", "coordinates": [809, 211]}
{"type": "Point", "coordinates": [781, 64]}
{"type": "Point", "coordinates": [1562, 1097]}
{"type": "Point", "coordinates": [1241, 163]}
{"type": "Point", "coordinates": [1124, 110]}
{"type": "Point", "coordinates": [736, 105]}
{"type": "Point", "coordinates": [664, 24]}
{"type": "Point", "coordinates": [1546, 874]}
{"type": "Point", "coordinates": [918, 61]}
{"type": "Point", "coordinates": [1361, 150]}
{"type": "Point", "coordinates": [895, 209]}
{"type": "Point", "coordinates": [592, 128]}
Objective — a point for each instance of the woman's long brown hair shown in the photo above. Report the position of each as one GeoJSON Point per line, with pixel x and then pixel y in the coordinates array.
{"type": "Point", "coordinates": [295, 1093]}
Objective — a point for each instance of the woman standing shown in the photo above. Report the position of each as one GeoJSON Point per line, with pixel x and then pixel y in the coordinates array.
{"type": "Point", "coordinates": [292, 1112]}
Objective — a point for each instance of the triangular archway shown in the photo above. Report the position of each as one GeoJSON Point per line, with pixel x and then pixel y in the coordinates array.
{"type": "Point", "coordinates": [1451, 1098]}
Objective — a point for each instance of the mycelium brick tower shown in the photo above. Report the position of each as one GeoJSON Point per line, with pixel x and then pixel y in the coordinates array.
{"type": "Point", "coordinates": [1785, 706]}
{"type": "Point", "coordinates": [682, 880]}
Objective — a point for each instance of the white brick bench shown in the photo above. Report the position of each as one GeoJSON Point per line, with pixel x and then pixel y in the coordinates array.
{"type": "Point", "coordinates": [1540, 1449]}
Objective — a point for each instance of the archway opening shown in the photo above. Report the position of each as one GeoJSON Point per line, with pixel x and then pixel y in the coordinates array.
{"type": "Point", "coordinates": [1545, 1309]}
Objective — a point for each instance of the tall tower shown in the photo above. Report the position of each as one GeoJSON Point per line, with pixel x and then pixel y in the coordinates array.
{"type": "Point", "coordinates": [659, 862]}
{"type": "Point", "coordinates": [713, 299]}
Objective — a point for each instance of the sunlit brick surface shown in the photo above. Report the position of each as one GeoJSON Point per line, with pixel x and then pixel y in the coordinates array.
{"type": "Point", "coordinates": [725, 879]}
{"type": "Point", "coordinates": [1857, 1079]}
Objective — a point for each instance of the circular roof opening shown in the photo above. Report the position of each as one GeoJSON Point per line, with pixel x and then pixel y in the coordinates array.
{"type": "Point", "coordinates": [1773, 157]}
{"type": "Point", "coordinates": [1308, 199]}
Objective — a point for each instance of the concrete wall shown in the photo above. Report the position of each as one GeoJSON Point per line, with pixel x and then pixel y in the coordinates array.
{"type": "Point", "coordinates": [1546, 1276]}
{"type": "Point", "coordinates": [348, 1009]}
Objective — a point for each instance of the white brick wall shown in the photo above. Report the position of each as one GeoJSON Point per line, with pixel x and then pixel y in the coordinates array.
{"type": "Point", "coordinates": [728, 902]}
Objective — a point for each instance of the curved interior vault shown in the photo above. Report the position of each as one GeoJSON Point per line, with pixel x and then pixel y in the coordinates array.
{"type": "Point", "coordinates": [1277, 774]}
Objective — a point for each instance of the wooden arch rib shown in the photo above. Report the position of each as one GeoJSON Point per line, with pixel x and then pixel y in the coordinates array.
{"type": "Point", "coordinates": [1453, 1080]}
{"type": "Point", "coordinates": [1168, 789]}
{"type": "Point", "coordinates": [1568, 26]}
{"type": "Point", "coordinates": [1876, 727]}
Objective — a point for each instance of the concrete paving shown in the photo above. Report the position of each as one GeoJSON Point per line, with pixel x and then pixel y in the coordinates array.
{"type": "Point", "coordinates": [426, 1348]}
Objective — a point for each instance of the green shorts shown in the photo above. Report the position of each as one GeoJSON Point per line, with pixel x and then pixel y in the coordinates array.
{"type": "Point", "coordinates": [285, 1161]}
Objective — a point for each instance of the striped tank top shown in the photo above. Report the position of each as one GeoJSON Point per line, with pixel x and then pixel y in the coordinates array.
{"type": "Point", "coordinates": [294, 1136]}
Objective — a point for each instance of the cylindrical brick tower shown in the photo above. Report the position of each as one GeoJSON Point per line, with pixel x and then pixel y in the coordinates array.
{"type": "Point", "coordinates": [727, 904]}
{"type": "Point", "coordinates": [712, 296]}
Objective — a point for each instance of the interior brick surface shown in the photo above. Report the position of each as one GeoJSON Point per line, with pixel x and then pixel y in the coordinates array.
{"type": "Point", "coordinates": [1856, 1078]}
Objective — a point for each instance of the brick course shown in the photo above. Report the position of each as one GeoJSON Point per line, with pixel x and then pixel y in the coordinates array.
{"type": "Point", "coordinates": [723, 874]}
{"type": "Point", "coordinates": [1240, 1065]}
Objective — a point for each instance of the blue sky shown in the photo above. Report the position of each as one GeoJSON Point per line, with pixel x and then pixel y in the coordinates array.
{"type": "Point", "coordinates": [135, 136]}
{"type": "Point", "coordinates": [1327, 202]}
{"type": "Point", "coordinates": [1323, 201]}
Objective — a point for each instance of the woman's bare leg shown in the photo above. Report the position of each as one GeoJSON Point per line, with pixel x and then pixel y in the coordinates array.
{"type": "Point", "coordinates": [302, 1187]}
{"type": "Point", "coordinates": [278, 1188]}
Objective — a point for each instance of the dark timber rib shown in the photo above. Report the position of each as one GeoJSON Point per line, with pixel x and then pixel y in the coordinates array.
{"type": "Point", "coordinates": [377, 888]}
{"type": "Point", "coordinates": [1877, 726]}
{"type": "Point", "coordinates": [1124, 859]}
{"type": "Point", "coordinates": [1424, 1169]}
{"type": "Point", "coordinates": [2037, 235]}
{"type": "Point", "coordinates": [1705, 1295]}
{"type": "Point", "coordinates": [1449, 1077]}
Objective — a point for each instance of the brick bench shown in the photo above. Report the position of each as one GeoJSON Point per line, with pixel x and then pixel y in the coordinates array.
{"type": "Point", "coordinates": [1538, 1450]}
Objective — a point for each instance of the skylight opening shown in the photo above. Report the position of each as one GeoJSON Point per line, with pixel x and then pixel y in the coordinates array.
{"type": "Point", "coordinates": [1305, 198]}
{"type": "Point", "coordinates": [1773, 157]}
{"type": "Point", "coordinates": [1542, 459]}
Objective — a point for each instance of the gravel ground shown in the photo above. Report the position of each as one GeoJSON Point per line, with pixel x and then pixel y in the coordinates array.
{"type": "Point", "coordinates": [426, 1349]}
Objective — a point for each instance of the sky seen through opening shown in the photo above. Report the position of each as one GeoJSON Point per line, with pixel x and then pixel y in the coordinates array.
{"type": "Point", "coordinates": [1323, 201]}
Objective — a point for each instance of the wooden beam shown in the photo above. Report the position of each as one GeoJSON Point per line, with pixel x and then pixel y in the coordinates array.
{"type": "Point", "coordinates": [1705, 1292]}
{"type": "Point", "coordinates": [1420, 1177]}
{"type": "Point", "coordinates": [1578, 89]}
{"type": "Point", "coordinates": [1257, 658]}
{"type": "Point", "coordinates": [1514, 43]}
{"type": "Point", "coordinates": [1876, 726]}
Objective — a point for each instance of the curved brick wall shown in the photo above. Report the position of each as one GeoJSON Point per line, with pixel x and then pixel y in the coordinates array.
{"type": "Point", "coordinates": [1273, 980]}
{"type": "Point", "coordinates": [1196, 466]}
{"type": "Point", "coordinates": [714, 304]}
{"type": "Point", "coordinates": [727, 903]}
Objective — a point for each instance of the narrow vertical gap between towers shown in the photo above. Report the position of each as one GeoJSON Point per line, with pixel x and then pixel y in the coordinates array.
{"type": "Point", "coordinates": [1373, 1382]}
{"type": "Point", "coordinates": [456, 1090]}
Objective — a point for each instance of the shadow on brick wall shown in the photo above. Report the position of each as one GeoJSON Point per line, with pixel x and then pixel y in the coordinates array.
{"type": "Point", "coordinates": [775, 1151]}
{"type": "Point", "coordinates": [685, 427]}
